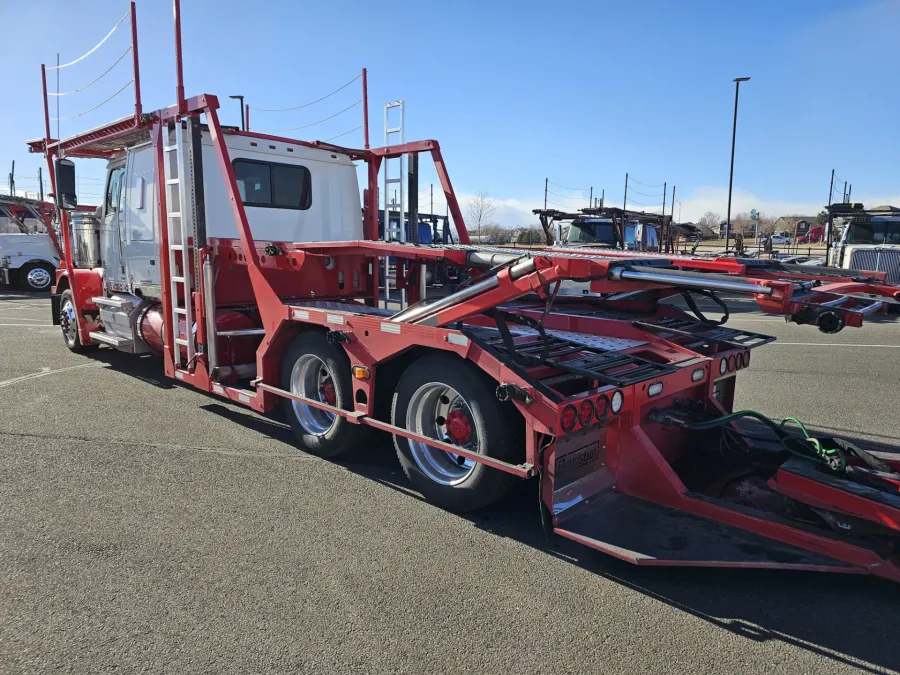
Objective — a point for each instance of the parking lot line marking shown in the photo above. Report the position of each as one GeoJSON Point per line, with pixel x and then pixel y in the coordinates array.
{"type": "Point", "coordinates": [28, 325]}
{"type": "Point", "coordinates": [46, 371]}
{"type": "Point", "coordinates": [829, 344]}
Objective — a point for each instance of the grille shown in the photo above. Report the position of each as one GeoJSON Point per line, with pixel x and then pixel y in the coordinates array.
{"type": "Point", "coordinates": [878, 260]}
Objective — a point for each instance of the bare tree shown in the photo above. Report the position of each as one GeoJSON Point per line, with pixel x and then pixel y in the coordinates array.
{"type": "Point", "coordinates": [479, 211]}
{"type": "Point", "coordinates": [711, 219]}
{"type": "Point", "coordinates": [495, 234]}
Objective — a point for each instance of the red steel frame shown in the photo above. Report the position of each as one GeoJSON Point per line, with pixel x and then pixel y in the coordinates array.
{"type": "Point", "coordinates": [640, 467]}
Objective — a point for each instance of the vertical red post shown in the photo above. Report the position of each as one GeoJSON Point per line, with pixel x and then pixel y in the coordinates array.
{"type": "Point", "coordinates": [137, 68]}
{"type": "Point", "coordinates": [53, 235]}
{"type": "Point", "coordinates": [365, 97]}
{"type": "Point", "coordinates": [247, 117]}
{"type": "Point", "coordinates": [46, 112]}
{"type": "Point", "coordinates": [179, 65]}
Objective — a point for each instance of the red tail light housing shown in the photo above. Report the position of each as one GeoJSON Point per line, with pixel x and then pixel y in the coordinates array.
{"type": "Point", "coordinates": [601, 407]}
{"type": "Point", "coordinates": [568, 418]}
{"type": "Point", "coordinates": [586, 412]}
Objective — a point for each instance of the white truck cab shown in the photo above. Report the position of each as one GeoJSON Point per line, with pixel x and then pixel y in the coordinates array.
{"type": "Point", "coordinates": [871, 241]}
{"type": "Point", "coordinates": [291, 193]}
{"type": "Point", "coordinates": [28, 256]}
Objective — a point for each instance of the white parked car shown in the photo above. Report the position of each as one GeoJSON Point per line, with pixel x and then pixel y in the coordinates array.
{"type": "Point", "coordinates": [776, 238]}
{"type": "Point", "coordinates": [28, 256]}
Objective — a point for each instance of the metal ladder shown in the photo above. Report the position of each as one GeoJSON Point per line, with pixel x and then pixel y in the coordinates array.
{"type": "Point", "coordinates": [393, 135]}
{"type": "Point", "coordinates": [178, 216]}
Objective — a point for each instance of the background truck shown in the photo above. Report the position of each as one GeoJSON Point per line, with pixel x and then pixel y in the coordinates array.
{"type": "Point", "coordinates": [29, 254]}
{"type": "Point", "coordinates": [870, 239]}
{"type": "Point", "coordinates": [242, 261]}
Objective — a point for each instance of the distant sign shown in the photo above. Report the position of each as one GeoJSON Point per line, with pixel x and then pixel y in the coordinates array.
{"type": "Point", "coordinates": [754, 214]}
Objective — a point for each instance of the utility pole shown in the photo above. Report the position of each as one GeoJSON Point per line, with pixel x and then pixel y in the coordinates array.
{"type": "Point", "coordinates": [591, 198]}
{"type": "Point", "coordinates": [625, 201]}
{"type": "Point", "coordinates": [602, 197]}
{"type": "Point", "coordinates": [12, 180]}
{"type": "Point", "coordinates": [849, 190]}
{"type": "Point", "coordinates": [41, 185]}
{"type": "Point", "coordinates": [831, 188]}
{"type": "Point", "coordinates": [670, 242]}
{"type": "Point", "coordinates": [546, 181]}
{"type": "Point", "coordinates": [665, 191]}
{"type": "Point", "coordinates": [844, 200]}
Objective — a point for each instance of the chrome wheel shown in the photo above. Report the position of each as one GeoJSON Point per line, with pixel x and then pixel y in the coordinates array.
{"type": "Point", "coordinates": [38, 278]}
{"type": "Point", "coordinates": [67, 323]}
{"type": "Point", "coordinates": [438, 411]}
{"type": "Point", "coordinates": [310, 378]}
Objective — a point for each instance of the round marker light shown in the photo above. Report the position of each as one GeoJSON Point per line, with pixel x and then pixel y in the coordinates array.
{"type": "Point", "coordinates": [568, 417]}
{"type": "Point", "coordinates": [655, 389]}
{"type": "Point", "coordinates": [732, 362]}
{"type": "Point", "coordinates": [616, 402]}
{"type": "Point", "coordinates": [746, 359]}
{"type": "Point", "coordinates": [723, 367]}
{"type": "Point", "coordinates": [586, 412]}
{"type": "Point", "coordinates": [601, 407]}
{"type": "Point", "coordinates": [697, 375]}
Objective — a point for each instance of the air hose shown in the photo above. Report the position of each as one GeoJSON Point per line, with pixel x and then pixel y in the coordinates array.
{"type": "Point", "coordinates": [807, 447]}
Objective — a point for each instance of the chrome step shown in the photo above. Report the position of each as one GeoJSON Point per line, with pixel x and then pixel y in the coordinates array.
{"type": "Point", "coordinates": [120, 343]}
{"type": "Point", "coordinates": [116, 303]}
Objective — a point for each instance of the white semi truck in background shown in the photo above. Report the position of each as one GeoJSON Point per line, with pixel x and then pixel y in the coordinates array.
{"type": "Point", "coordinates": [29, 255]}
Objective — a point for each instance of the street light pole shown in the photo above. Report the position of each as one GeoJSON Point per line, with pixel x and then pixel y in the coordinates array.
{"type": "Point", "coordinates": [737, 87]}
{"type": "Point", "coordinates": [243, 121]}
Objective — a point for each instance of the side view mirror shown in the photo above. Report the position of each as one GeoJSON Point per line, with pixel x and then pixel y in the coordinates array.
{"type": "Point", "coordinates": [98, 212]}
{"type": "Point", "coordinates": [65, 184]}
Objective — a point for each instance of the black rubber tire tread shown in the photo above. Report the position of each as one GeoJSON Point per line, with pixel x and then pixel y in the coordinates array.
{"type": "Point", "coordinates": [78, 348]}
{"type": "Point", "coordinates": [500, 432]}
{"type": "Point", "coordinates": [23, 277]}
{"type": "Point", "coordinates": [344, 436]}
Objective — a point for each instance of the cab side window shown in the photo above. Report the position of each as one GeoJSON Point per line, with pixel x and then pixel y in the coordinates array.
{"type": "Point", "coordinates": [114, 190]}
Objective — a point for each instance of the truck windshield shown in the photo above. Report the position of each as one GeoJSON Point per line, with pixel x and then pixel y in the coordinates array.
{"type": "Point", "coordinates": [875, 231]}
{"type": "Point", "coordinates": [602, 232]}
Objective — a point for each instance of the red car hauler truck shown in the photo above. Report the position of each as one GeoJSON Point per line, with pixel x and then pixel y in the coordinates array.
{"type": "Point", "coordinates": [242, 260]}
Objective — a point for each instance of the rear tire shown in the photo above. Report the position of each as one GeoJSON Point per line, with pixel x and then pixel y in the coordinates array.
{"type": "Point", "coordinates": [69, 324]}
{"type": "Point", "coordinates": [445, 398]}
{"type": "Point", "coordinates": [36, 277]}
{"type": "Point", "coordinates": [316, 369]}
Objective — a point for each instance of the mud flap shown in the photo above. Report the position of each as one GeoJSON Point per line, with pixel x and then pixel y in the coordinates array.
{"type": "Point", "coordinates": [54, 308]}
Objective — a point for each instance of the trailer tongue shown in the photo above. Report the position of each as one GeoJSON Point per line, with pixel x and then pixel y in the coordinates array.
{"type": "Point", "coordinates": [569, 367]}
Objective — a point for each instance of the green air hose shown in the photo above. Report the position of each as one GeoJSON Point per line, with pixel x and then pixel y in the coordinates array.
{"type": "Point", "coordinates": [832, 457]}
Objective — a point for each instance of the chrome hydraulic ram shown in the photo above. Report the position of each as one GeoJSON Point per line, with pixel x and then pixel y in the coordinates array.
{"type": "Point", "coordinates": [420, 312]}
{"type": "Point", "coordinates": [688, 280]}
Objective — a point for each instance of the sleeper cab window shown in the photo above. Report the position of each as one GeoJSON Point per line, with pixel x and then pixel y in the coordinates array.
{"type": "Point", "coordinates": [272, 185]}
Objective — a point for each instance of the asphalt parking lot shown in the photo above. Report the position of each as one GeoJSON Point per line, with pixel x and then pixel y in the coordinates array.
{"type": "Point", "coordinates": [148, 527]}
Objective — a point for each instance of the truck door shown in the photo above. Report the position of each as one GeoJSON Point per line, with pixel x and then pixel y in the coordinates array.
{"type": "Point", "coordinates": [138, 216]}
{"type": "Point", "coordinates": [110, 235]}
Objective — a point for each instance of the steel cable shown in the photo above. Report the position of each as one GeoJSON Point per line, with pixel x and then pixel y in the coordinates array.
{"type": "Point", "coordinates": [75, 91]}
{"type": "Point", "coordinates": [306, 126]}
{"type": "Point", "coordinates": [81, 114]}
{"type": "Point", "coordinates": [306, 105]}
{"type": "Point", "coordinates": [635, 180]}
{"type": "Point", "coordinates": [96, 47]}
{"type": "Point", "coordinates": [345, 133]}
{"type": "Point", "coordinates": [568, 188]}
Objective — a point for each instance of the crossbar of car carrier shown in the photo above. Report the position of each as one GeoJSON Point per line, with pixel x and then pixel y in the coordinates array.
{"type": "Point", "coordinates": [521, 470]}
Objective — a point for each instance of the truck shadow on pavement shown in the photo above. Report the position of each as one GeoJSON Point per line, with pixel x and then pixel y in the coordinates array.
{"type": "Point", "coordinates": [844, 618]}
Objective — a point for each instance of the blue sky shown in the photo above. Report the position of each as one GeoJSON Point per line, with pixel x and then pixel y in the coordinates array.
{"type": "Point", "coordinates": [516, 92]}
